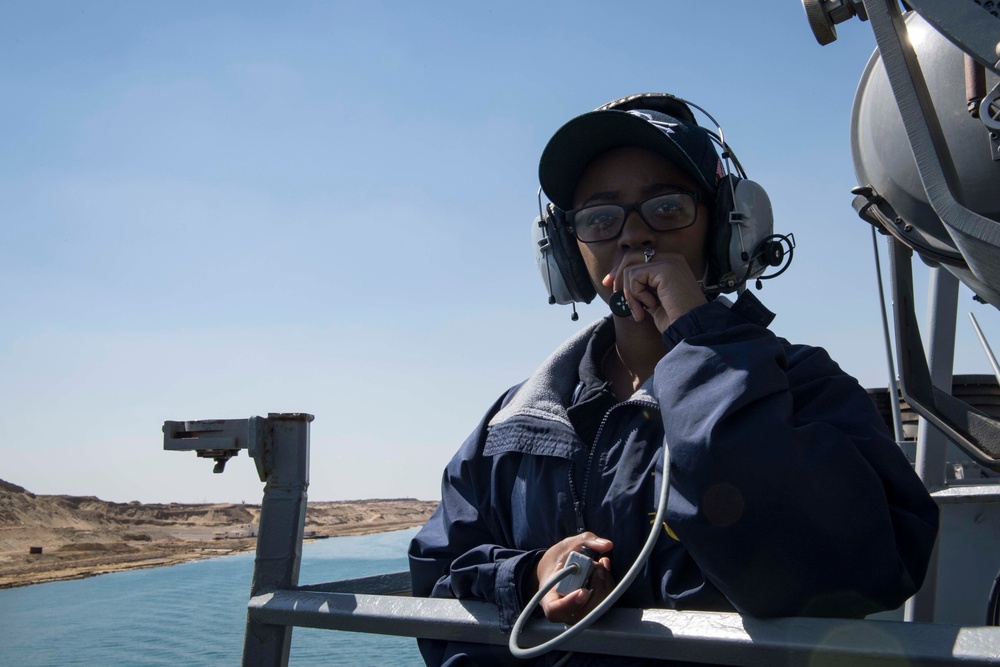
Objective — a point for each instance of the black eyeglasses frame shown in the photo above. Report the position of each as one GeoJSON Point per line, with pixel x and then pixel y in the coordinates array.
{"type": "Point", "coordinates": [628, 208]}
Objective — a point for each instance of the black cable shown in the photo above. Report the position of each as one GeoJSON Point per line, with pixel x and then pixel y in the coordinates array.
{"type": "Point", "coordinates": [993, 606]}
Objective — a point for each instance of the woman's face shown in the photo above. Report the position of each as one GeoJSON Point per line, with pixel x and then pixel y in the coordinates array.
{"type": "Point", "coordinates": [626, 175]}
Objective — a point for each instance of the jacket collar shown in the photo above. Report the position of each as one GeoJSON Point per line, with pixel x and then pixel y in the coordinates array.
{"type": "Point", "coordinates": [549, 391]}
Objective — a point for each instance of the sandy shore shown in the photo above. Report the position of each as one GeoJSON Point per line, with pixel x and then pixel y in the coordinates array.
{"type": "Point", "coordinates": [92, 559]}
{"type": "Point", "coordinates": [84, 537]}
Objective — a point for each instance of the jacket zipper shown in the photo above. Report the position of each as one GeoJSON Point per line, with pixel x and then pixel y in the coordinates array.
{"type": "Point", "coordinates": [577, 506]}
{"type": "Point", "coordinates": [579, 500]}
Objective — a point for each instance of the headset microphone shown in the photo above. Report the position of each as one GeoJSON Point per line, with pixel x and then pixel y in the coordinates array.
{"type": "Point", "coordinates": [618, 304]}
{"type": "Point", "coordinates": [772, 253]}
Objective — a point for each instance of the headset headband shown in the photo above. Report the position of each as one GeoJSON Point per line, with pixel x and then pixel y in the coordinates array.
{"type": "Point", "coordinates": [740, 244]}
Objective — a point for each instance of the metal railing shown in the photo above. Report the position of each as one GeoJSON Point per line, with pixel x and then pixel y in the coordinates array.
{"type": "Point", "coordinates": [279, 444]}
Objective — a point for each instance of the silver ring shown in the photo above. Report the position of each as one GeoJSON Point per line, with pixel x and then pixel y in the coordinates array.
{"type": "Point", "coordinates": [648, 253]}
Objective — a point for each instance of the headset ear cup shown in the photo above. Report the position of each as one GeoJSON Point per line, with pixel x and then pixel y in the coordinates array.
{"type": "Point", "coordinates": [738, 248]}
{"type": "Point", "coordinates": [567, 257]}
{"type": "Point", "coordinates": [748, 252]}
{"type": "Point", "coordinates": [720, 234]}
{"type": "Point", "coordinates": [559, 261]}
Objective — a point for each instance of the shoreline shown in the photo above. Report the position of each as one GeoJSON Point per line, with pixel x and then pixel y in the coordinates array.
{"type": "Point", "coordinates": [18, 578]}
{"type": "Point", "coordinates": [42, 569]}
{"type": "Point", "coordinates": [44, 539]}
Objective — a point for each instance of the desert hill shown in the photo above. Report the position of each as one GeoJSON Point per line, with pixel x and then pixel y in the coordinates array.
{"type": "Point", "coordinates": [80, 536]}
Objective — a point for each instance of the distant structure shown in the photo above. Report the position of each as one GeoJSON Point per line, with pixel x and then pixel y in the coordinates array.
{"type": "Point", "coordinates": [249, 530]}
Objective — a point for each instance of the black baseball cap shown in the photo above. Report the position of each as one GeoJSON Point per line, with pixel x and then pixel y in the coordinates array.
{"type": "Point", "coordinates": [578, 142]}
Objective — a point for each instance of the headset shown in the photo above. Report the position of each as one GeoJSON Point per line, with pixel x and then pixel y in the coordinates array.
{"type": "Point", "coordinates": [741, 244]}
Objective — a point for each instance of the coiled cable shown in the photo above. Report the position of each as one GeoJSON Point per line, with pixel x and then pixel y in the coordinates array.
{"type": "Point", "coordinates": [619, 590]}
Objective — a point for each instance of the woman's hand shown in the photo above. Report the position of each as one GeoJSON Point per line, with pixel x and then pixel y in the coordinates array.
{"type": "Point", "coordinates": [574, 606]}
{"type": "Point", "coordinates": [661, 287]}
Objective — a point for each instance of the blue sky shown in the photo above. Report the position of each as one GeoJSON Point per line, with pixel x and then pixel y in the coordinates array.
{"type": "Point", "coordinates": [216, 210]}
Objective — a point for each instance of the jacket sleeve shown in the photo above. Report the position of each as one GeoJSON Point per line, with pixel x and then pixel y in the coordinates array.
{"type": "Point", "coordinates": [460, 552]}
{"type": "Point", "coordinates": [786, 487]}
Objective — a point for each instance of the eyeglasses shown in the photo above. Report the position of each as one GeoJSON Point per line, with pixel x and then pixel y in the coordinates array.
{"type": "Point", "coordinates": [663, 213]}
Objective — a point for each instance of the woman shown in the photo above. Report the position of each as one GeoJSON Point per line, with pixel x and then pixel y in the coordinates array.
{"type": "Point", "coordinates": [787, 494]}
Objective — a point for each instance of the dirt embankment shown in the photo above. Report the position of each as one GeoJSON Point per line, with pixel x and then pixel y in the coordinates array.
{"type": "Point", "coordinates": [50, 538]}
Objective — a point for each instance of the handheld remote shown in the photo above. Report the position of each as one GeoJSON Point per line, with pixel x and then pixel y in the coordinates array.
{"type": "Point", "coordinates": [584, 560]}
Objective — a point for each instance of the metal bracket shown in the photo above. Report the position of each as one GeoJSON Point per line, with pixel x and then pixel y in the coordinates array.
{"type": "Point", "coordinates": [989, 115]}
{"type": "Point", "coordinates": [970, 26]}
{"type": "Point", "coordinates": [219, 439]}
{"type": "Point", "coordinates": [876, 211]}
{"type": "Point", "coordinates": [974, 432]}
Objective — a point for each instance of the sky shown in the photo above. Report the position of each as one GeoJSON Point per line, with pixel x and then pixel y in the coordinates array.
{"type": "Point", "coordinates": [220, 210]}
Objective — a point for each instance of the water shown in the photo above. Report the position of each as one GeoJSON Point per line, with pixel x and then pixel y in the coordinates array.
{"type": "Point", "coordinates": [191, 614]}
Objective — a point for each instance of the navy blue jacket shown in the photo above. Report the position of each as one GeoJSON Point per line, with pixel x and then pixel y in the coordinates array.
{"type": "Point", "coordinates": [788, 495]}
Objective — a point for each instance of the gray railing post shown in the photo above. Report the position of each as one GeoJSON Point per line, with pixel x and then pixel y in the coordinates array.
{"type": "Point", "coordinates": [279, 445]}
